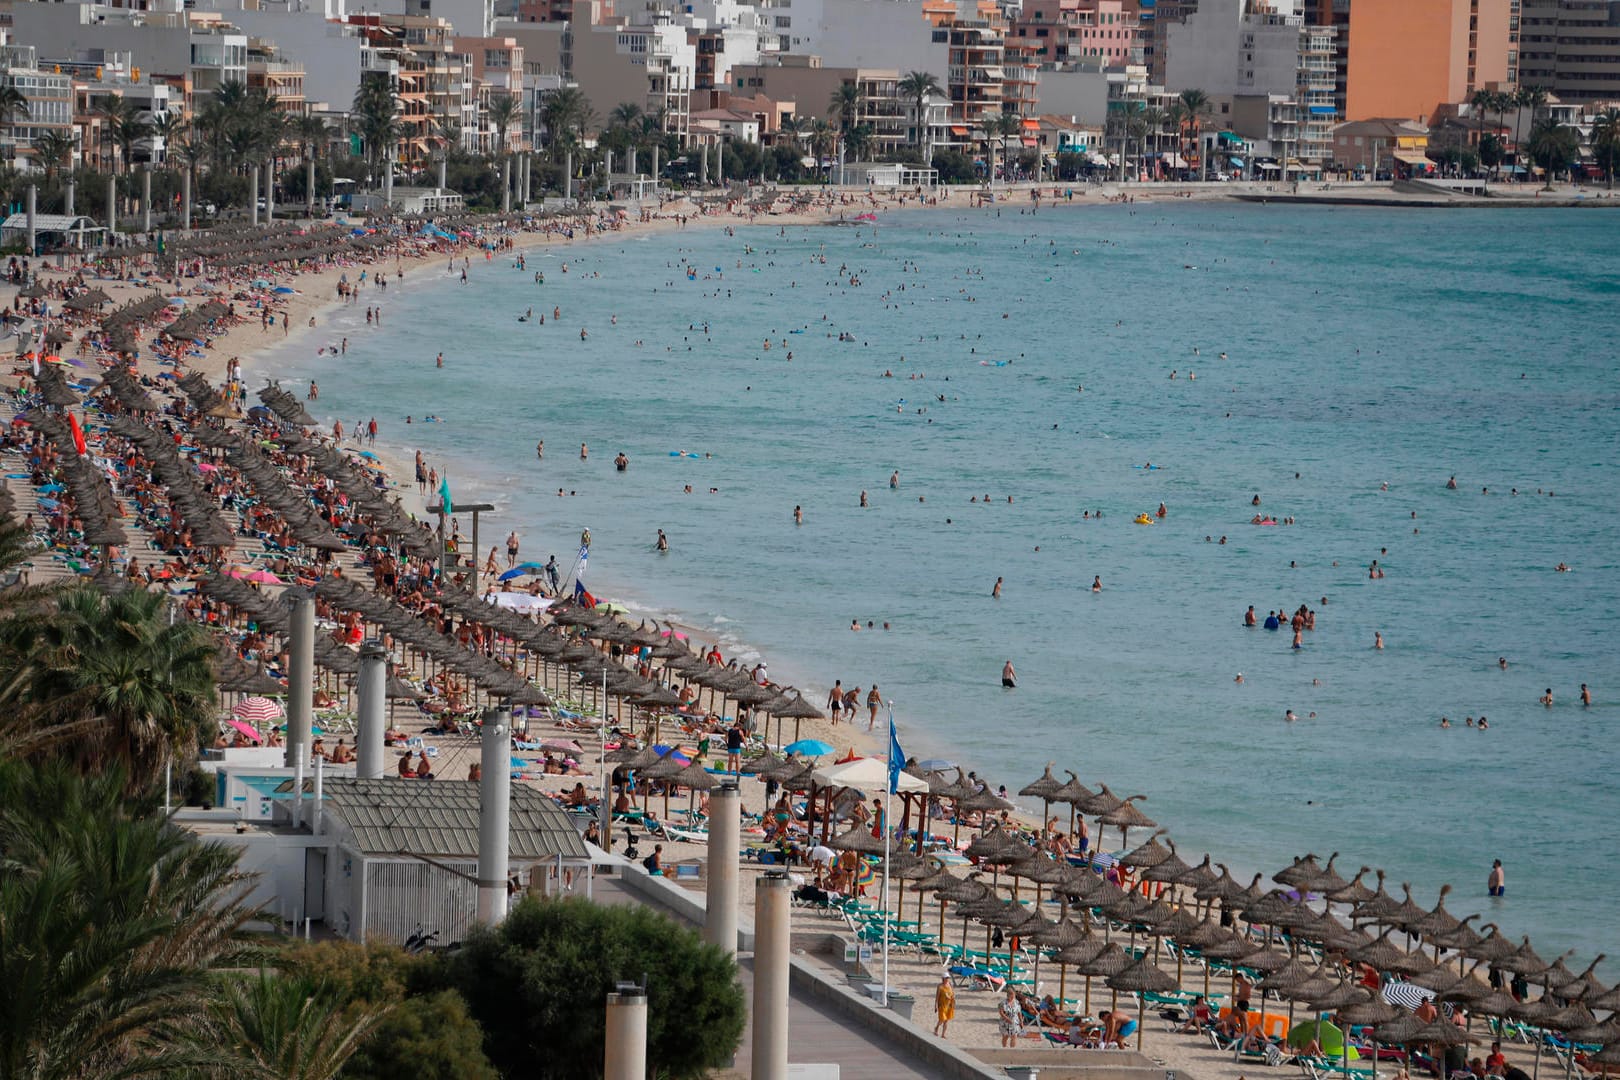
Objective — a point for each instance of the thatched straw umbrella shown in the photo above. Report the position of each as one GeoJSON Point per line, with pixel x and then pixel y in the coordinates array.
{"type": "Point", "coordinates": [797, 709]}
{"type": "Point", "coordinates": [1149, 854]}
{"type": "Point", "coordinates": [1127, 817]}
{"type": "Point", "coordinates": [1043, 788]}
{"type": "Point", "coordinates": [1075, 794]}
{"type": "Point", "coordinates": [1383, 955]}
{"type": "Point", "coordinates": [1143, 977]}
{"type": "Point", "coordinates": [1354, 892]}
{"type": "Point", "coordinates": [1304, 868]}
{"type": "Point", "coordinates": [1107, 962]}
{"type": "Point", "coordinates": [1059, 936]}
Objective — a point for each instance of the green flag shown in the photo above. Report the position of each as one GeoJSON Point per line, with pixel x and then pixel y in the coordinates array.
{"type": "Point", "coordinates": [445, 502]}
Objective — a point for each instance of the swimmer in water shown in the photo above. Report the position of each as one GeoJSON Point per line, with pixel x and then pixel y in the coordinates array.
{"type": "Point", "coordinates": [1378, 639]}
{"type": "Point", "coordinates": [995, 594]}
{"type": "Point", "coordinates": [798, 514]}
{"type": "Point", "coordinates": [1096, 583]}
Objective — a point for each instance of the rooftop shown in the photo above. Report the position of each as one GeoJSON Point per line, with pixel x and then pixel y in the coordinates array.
{"type": "Point", "coordinates": [440, 818]}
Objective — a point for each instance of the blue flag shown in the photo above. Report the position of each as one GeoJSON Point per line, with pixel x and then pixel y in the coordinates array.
{"type": "Point", "coordinates": [897, 757]}
{"type": "Point", "coordinates": [444, 493]}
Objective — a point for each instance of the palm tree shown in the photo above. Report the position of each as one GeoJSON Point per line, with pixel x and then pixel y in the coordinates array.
{"type": "Point", "coordinates": [844, 106]}
{"type": "Point", "coordinates": [289, 1026]}
{"type": "Point", "coordinates": [917, 86]}
{"type": "Point", "coordinates": [1153, 120]}
{"type": "Point", "coordinates": [311, 133]}
{"type": "Point", "coordinates": [118, 659]}
{"type": "Point", "coordinates": [1008, 126]}
{"type": "Point", "coordinates": [111, 918]}
{"type": "Point", "coordinates": [1606, 141]}
{"type": "Point", "coordinates": [121, 126]}
{"type": "Point", "coordinates": [823, 140]}
{"type": "Point", "coordinates": [53, 149]}
{"type": "Point", "coordinates": [13, 104]}
{"type": "Point", "coordinates": [1533, 98]}
{"type": "Point", "coordinates": [503, 110]}
{"type": "Point", "coordinates": [624, 115]}
{"type": "Point", "coordinates": [1480, 101]}
{"type": "Point", "coordinates": [1554, 147]}
{"type": "Point", "coordinates": [1196, 102]}
{"type": "Point", "coordinates": [566, 114]}
{"type": "Point", "coordinates": [169, 127]}
{"type": "Point", "coordinates": [377, 119]}
{"type": "Point", "coordinates": [858, 140]}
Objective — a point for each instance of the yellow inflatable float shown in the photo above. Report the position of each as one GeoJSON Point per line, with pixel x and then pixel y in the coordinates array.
{"type": "Point", "coordinates": [1144, 519]}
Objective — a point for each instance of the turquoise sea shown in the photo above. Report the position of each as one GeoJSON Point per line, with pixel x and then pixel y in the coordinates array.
{"type": "Point", "coordinates": [1363, 347]}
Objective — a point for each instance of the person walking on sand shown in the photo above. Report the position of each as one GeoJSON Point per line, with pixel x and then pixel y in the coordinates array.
{"type": "Point", "coordinates": [1496, 884]}
{"type": "Point", "coordinates": [944, 1005]}
{"type": "Point", "coordinates": [873, 700]}
{"type": "Point", "coordinates": [1010, 1019]}
{"type": "Point", "coordinates": [835, 700]}
{"type": "Point", "coordinates": [1009, 677]}
{"type": "Point", "coordinates": [511, 549]}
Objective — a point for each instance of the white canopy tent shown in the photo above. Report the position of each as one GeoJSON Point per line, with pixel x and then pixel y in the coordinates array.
{"type": "Point", "coordinates": [868, 774]}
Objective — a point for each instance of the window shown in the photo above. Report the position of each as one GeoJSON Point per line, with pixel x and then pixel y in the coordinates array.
{"type": "Point", "coordinates": [939, 37]}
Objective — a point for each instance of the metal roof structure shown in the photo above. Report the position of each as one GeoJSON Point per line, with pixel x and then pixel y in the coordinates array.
{"type": "Point", "coordinates": [53, 222]}
{"type": "Point", "coordinates": [439, 818]}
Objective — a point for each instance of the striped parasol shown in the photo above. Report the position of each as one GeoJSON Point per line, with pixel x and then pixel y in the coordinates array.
{"type": "Point", "coordinates": [256, 710]}
{"type": "Point", "coordinates": [1406, 995]}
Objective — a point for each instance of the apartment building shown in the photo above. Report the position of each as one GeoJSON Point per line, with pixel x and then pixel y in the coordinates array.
{"type": "Point", "coordinates": [196, 52]}
{"type": "Point", "coordinates": [49, 95]}
{"type": "Point", "coordinates": [1572, 48]}
{"type": "Point", "coordinates": [810, 85]}
{"type": "Point", "coordinates": [1105, 32]}
{"type": "Point", "coordinates": [270, 70]}
{"type": "Point", "coordinates": [1407, 59]}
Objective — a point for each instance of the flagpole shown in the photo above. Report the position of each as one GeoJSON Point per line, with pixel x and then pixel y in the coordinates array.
{"type": "Point", "coordinates": [884, 819]}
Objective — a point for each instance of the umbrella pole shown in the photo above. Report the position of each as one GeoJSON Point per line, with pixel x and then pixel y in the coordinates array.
{"type": "Point", "coordinates": [1088, 995]}
{"type": "Point", "coordinates": [1141, 1019]}
{"type": "Point", "coordinates": [1063, 983]}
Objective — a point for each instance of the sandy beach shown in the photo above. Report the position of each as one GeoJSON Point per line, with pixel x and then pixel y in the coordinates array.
{"type": "Point", "coordinates": [301, 316]}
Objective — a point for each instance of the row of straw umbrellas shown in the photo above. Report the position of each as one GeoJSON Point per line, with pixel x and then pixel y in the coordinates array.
{"type": "Point", "coordinates": [1182, 919]}
{"type": "Point", "coordinates": [1195, 910]}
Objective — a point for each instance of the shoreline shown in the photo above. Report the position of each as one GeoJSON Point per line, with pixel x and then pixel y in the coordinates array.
{"type": "Point", "coordinates": [309, 305]}
{"type": "Point", "coordinates": [783, 666]}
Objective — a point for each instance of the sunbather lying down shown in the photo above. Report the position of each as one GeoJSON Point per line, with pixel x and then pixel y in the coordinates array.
{"type": "Point", "coordinates": [977, 978]}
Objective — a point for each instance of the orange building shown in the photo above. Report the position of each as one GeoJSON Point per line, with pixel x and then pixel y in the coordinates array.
{"type": "Point", "coordinates": [1408, 58]}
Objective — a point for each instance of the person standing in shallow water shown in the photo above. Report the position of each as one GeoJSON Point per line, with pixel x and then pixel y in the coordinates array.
{"type": "Point", "coordinates": [1496, 884]}
{"type": "Point", "coordinates": [1009, 677]}
{"type": "Point", "coordinates": [995, 593]}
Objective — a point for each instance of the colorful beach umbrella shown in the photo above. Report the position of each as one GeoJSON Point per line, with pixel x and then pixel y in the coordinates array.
{"type": "Point", "coordinates": [256, 710]}
{"type": "Point", "coordinates": [246, 729]}
{"type": "Point", "coordinates": [809, 748]}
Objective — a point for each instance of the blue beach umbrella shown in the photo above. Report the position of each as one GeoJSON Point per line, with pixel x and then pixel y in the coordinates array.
{"type": "Point", "coordinates": [520, 570]}
{"type": "Point", "coordinates": [809, 748]}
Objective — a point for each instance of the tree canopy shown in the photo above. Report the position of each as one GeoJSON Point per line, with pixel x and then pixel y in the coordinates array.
{"type": "Point", "coordinates": [538, 983]}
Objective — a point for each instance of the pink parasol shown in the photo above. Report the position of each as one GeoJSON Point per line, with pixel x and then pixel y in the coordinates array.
{"type": "Point", "coordinates": [264, 577]}
{"type": "Point", "coordinates": [246, 729]}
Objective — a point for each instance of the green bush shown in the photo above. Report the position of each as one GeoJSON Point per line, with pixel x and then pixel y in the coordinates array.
{"type": "Point", "coordinates": [538, 986]}
{"type": "Point", "coordinates": [427, 1038]}
{"type": "Point", "coordinates": [955, 167]}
